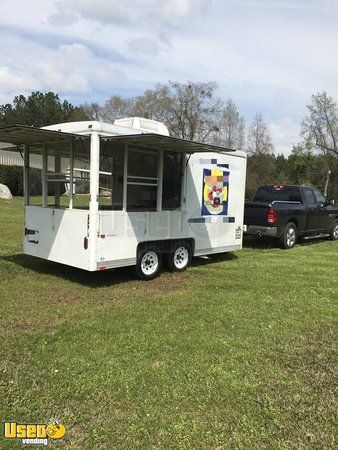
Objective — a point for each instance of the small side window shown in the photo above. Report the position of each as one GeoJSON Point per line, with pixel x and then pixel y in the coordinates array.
{"type": "Point", "coordinates": [293, 195]}
{"type": "Point", "coordinates": [320, 199]}
{"type": "Point", "coordinates": [309, 197]}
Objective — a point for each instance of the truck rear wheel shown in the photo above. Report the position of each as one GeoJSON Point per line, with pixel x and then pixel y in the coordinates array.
{"type": "Point", "coordinates": [288, 238]}
{"type": "Point", "coordinates": [334, 231]}
{"type": "Point", "coordinates": [148, 265]}
{"type": "Point", "coordinates": [180, 257]}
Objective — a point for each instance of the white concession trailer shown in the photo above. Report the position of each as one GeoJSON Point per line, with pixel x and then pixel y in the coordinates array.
{"type": "Point", "coordinates": [127, 194]}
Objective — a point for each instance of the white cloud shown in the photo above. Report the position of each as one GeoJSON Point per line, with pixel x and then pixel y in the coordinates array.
{"type": "Point", "coordinates": [52, 78]}
{"type": "Point", "coordinates": [144, 45]}
{"type": "Point", "coordinates": [169, 10]}
{"type": "Point", "coordinates": [138, 14]}
{"type": "Point", "coordinates": [71, 70]}
{"type": "Point", "coordinates": [285, 134]}
{"type": "Point", "coordinates": [104, 11]}
{"type": "Point", "coordinates": [14, 80]}
{"type": "Point", "coordinates": [62, 19]}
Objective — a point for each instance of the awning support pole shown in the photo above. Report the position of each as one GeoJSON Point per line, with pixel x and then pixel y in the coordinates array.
{"type": "Point", "coordinates": [26, 175]}
{"type": "Point", "coordinates": [185, 162]}
{"type": "Point", "coordinates": [44, 176]}
{"type": "Point", "coordinates": [94, 196]}
{"type": "Point", "coordinates": [71, 177]}
{"type": "Point", "coordinates": [160, 180]}
{"type": "Point", "coordinates": [125, 177]}
{"type": "Point", "coordinates": [58, 170]}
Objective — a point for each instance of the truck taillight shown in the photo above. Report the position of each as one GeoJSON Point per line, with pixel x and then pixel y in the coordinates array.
{"type": "Point", "coordinates": [272, 216]}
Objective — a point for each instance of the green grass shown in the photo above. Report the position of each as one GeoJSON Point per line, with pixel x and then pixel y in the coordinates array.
{"type": "Point", "coordinates": [234, 353]}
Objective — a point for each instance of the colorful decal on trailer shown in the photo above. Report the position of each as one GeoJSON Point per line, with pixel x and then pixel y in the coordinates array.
{"type": "Point", "coordinates": [215, 192]}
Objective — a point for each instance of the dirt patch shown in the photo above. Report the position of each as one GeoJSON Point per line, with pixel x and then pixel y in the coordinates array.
{"type": "Point", "coordinates": [157, 364]}
{"type": "Point", "coordinates": [27, 327]}
{"type": "Point", "coordinates": [166, 283]}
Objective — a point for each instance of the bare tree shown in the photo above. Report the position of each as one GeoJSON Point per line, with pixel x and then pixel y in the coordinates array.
{"type": "Point", "coordinates": [231, 127]}
{"type": "Point", "coordinates": [321, 125]}
{"type": "Point", "coordinates": [155, 104]}
{"type": "Point", "coordinates": [259, 139]}
{"type": "Point", "coordinates": [118, 107]}
{"type": "Point", "coordinates": [93, 110]}
{"type": "Point", "coordinates": [195, 111]}
{"type": "Point", "coordinates": [189, 110]}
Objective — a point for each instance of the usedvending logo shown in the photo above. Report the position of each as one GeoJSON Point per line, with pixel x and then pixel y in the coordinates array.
{"type": "Point", "coordinates": [34, 433]}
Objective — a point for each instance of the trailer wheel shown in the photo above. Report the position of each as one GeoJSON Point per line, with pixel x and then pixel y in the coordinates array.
{"type": "Point", "coordinates": [334, 231]}
{"type": "Point", "coordinates": [180, 257]}
{"type": "Point", "coordinates": [148, 265]}
{"type": "Point", "coordinates": [288, 238]}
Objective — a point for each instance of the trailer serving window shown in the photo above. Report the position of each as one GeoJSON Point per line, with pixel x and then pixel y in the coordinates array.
{"type": "Point", "coordinates": [58, 175]}
{"type": "Point", "coordinates": [34, 195]}
{"type": "Point", "coordinates": [54, 176]}
{"type": "Point", "coordinates": [139, 179]}
{"type": "Point", "coordinates": [142, 180]}
{"type": "Point", "coordinates": [44, 177]}
{"type": "Point", "coordinates": [172, 180]}
{"type": "Point", "coordinates": [111, 176]}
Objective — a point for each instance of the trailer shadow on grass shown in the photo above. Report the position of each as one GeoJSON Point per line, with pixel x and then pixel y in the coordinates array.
{"type": "Point", "coordinates": [99, 278]}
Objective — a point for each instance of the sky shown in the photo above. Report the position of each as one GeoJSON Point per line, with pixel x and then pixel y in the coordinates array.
{"type": "Point", "coordinates": [268, 56]}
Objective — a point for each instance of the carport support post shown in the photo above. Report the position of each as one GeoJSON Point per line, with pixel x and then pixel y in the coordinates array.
{"type": "Point", "coordinates": [26, 174]}
{"type": "Point", "coordinates": [94, 194]}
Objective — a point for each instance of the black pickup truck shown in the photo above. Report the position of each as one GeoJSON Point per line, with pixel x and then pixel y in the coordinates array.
{"type": "Point", "coordinates": [287, 212]}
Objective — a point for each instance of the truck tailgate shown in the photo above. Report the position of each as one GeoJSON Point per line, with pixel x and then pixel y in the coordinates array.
{"type": "Point", "coordinates": [256, 213]}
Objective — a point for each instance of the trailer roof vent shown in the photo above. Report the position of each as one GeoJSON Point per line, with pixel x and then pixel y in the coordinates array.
{"type": "Point", "coordinates": [144, 125]}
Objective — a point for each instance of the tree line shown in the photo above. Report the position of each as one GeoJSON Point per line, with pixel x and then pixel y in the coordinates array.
{"type": "Point", "coordinates": [194, 111]}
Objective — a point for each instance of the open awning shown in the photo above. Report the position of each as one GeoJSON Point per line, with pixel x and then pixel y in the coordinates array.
{"type": "Point", "coordinates": [20, 134]}
{"type": "Point", "coordinates": [159, 142]}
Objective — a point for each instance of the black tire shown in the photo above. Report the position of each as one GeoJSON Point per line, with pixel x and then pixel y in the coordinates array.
{"type": "Point", "coordinates": [148, 264]}
{"type": "Point", "coordinates": [179, 258]}
{"type": "Point", "coordinates": [334, 231]}
{"type": "Point", "coordinates": [288, 238]}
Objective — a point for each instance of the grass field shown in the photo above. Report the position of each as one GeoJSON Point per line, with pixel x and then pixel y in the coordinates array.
{"type": "Point", "coordinates": [235, 353]}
